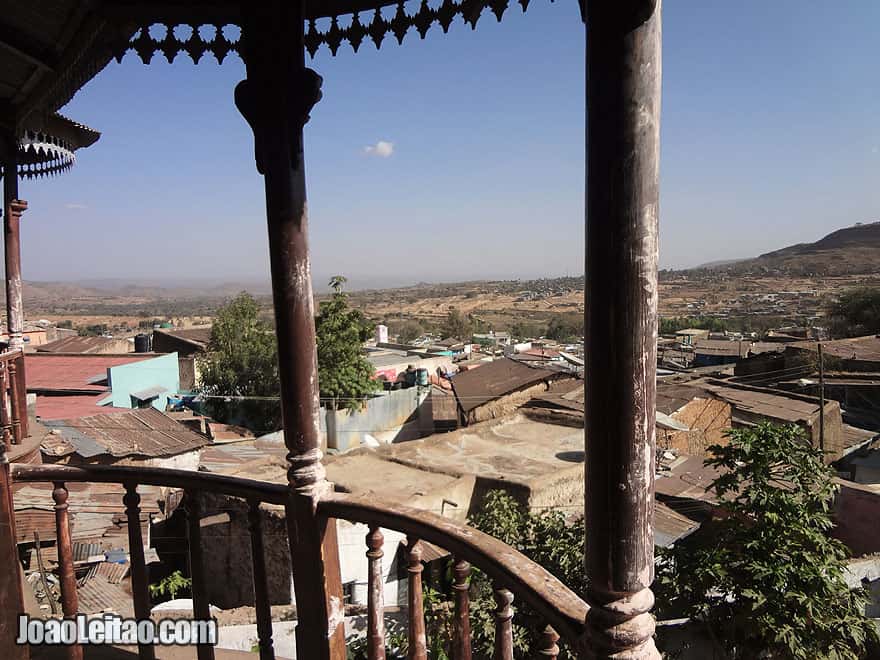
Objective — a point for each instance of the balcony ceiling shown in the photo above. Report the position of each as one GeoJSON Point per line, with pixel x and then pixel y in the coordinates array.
{"type": "Point", "coordinates": [49, 49]}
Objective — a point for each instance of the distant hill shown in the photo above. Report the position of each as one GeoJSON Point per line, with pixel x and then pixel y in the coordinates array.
{"type": "Point", "coordinates": [852, 250]}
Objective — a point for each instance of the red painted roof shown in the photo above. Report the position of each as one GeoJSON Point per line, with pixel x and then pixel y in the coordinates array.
{"type": "Point", "coordinates": [72, 405]}
{"type": "Point", "coordinates": [45, 371]}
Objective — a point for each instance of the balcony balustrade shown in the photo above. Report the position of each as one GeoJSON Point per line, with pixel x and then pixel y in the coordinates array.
{"type": "Point", "coordinates": [515, 577]}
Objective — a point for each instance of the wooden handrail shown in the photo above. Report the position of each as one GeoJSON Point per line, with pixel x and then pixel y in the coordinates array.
{"type": "Point", "coordinates": [248, 489]}
{"type": "Point", "coordinates": [532, 584]}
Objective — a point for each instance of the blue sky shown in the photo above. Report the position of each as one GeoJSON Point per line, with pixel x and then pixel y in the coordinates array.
{"type": "Point", "coordinates": [770, 137]}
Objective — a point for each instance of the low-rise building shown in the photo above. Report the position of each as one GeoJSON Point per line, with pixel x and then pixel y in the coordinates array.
{"type": "Point", "coordinates": [539, 463]}
{"type": "Point", "coordinates": [74, 385]}
{"type": "Point", "coordinates": [146, 438]}
{"type": "Point", "coordinates": [688, 336]}
{"type": "Point", "coordinates": [92, 345]}
{"type": "Point", "coordinates": [500, 387]}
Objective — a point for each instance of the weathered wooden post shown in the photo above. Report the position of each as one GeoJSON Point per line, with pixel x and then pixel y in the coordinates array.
{"type": "Point", "coordinates": [623, 155]}
{"type": "Point", "coordinates": [11, 593]}
{"type": "Point", "coordinates": [12, 210]}
{"type": "Point", "coordinates": [275, 99]}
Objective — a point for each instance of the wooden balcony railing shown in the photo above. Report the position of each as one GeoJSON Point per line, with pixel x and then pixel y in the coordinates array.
{"type": "Point", "coordinates": [513, 574]}
{"type": "Point", "coordinates": [13, 397]}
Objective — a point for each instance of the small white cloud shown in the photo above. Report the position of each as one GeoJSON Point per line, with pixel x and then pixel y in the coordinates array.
{"type": "Point", "coordinates": [382, 149]}
{"type": "Point", "coordinates": [75, 206]}
{"type": "Point", "coordinates": [875, 149]}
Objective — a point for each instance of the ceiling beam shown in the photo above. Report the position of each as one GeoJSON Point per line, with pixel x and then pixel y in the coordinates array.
{"type": "Point", "coordinates": [25, 50]}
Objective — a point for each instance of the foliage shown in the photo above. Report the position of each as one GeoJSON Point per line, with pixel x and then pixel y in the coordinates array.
{"type": "Point", "coordinates": [525, 330]}
{"type": "Point", "coordinates": [66, 324]}
{"type": "Point", "coordinates": [170, 586]}
{"type": "Point", "coordinates": [242, 361]}
{"type": "Point", "coordinates": [408, 331]}
{"type": "Point", "coordinates": [856, 313]}
{"type": "Point", "coordinates": [457, 325]}
{"type": "Point", "coordinates": [671, 325]}
{"type": "Point", "coordinates": [345, 375]}
{"type": "Point", "coordinates": [548, 539]}
{"type": "Point", "coordinates": [767, 579]}
{"type": "Point", "coordinates": [96, 330]}
{"type": "Point", "coordinates": [566, 327]}
{"type": "Point", "coordinates": [749, 323]}
{"type": "Point", "coordinates": [395, 643]}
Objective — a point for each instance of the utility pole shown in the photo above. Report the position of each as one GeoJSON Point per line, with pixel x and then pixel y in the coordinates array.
{"type": "Point", "coordinates": [821, 398]}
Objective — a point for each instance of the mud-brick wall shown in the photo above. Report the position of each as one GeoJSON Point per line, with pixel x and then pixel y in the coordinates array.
{"type": "Point", "coordinates": [856, 511]}
{"type": "Point", "coordinates": [226, 552]}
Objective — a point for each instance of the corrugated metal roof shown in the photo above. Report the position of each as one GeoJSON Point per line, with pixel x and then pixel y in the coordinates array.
{"type": "Point", "coordinates": [199, 336]}
{"type": "Point", "coordinates": [721, 347]}
{"type": "Point", "coordinates": [149, 393]}
{"type": "Point", "coordinates": [141, 432]}
{"type": "Point", "coordinates": [79, 345]}
{"type": "Point", "coordinates": [49, 372]}
{"type": "Point", "coordinates": [72, 405]}
{"type": "Point", "coordinates": [98, 595]}
{"type": "Point", "coordinates": [856, 348]}
{"type": "Point", "coordinates": [673, 396]}
{"type": "Point", "coordinates": [473, 388]}
{"type": "Point", "coordinates": [772, 406]}
{"type": "Point", "coordinates": [670, 526]}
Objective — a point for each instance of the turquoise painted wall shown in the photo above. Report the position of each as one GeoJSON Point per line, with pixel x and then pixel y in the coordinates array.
{"type": "Point", "coordinates": [162, 371]}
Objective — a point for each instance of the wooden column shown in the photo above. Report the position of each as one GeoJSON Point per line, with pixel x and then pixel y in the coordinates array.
{"type": "Point", "coordinates": [140, 588]}
{"type": "Point", "coordinates": [66, 575]}
{"type": "Point", "coordinates": [201, 603]}
{"type": "Point", "coordinates": [416, 637]}
{"type": "Point", "coordinates": [11, 593]}
{"type": "Point", "coordinates": [503, 625]}
{"type": "Point", "coordinates": [12, 210]}
{"type": "Point", "coordinates": [548, 648]}
{"type": "Point", "coordinates": [375, 595]}
{"type": "Point", "coordinates": [623, 140]}
{"type": "Point", "coordinates": [275, 99]}
{"type": "Point", "coordinates": [461, 631]}
{"type": "Point", "coordinates": [262, 606]}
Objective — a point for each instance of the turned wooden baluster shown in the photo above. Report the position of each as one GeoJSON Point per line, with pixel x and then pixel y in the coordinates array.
{"type": "Point", "coordinates": [65, 562]}
{"type": "Point", "coordinates": [20, 393]}
{"type": "Point", "coordinates": [548, 647]}
{"type": "Point", "coordinates": [461, 641]}
{"type": "Point", "coordinates": [418, 643]}
{"type": "Point", "coordinates": [201, 604]}
{"type": "Point", "coordinates": [139, 582]}
{"type": "Point", "coordinates": [375, 596]}
{"type": "Point", "coordinates": [503, 625]}
{"type": "Point", "coordinates": [5, 419]}
{"type": "Point", "coordinates": [261, 585]}
{"type": "Point", "coordinates": [15, 400]}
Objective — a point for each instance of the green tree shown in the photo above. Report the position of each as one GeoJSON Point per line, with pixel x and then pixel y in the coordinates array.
{"type": "Point", "coordinates": [92, 330]}
{"type": "Point", "coordinates": [239, 372]}
{"type": "Point", "coordinates": [767, 579]}
{"type": "Point", "coordinates": [856, 313]}
{"type": "Point", "coordinates": [526, 330]}
{"type": "Point", "coordinates": [409, 331]}
{"type": "Point", "coordinates": [345, 376]}
{"type": "Point", "coordinates": [457, 325]}
{"type": "Point", "coordinates": [566, 327]}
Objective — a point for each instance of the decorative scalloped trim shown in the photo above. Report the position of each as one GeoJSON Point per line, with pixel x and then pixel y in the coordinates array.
{"type": "Point", "coordinates": [376, 28]}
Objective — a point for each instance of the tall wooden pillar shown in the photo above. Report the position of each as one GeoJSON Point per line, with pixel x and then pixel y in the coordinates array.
{"type": "Point", "coordinates": [623, 139]}
{"type": "Point", "coordinates": [11, 587]}
{"type": "Point", "coordinates": [276, 99]}
{"type": "Point", "coordinates": [12, 210]}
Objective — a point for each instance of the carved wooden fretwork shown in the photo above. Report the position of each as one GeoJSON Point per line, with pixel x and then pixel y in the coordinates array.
{"type": "Point", "coordinates": [171, 38]}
